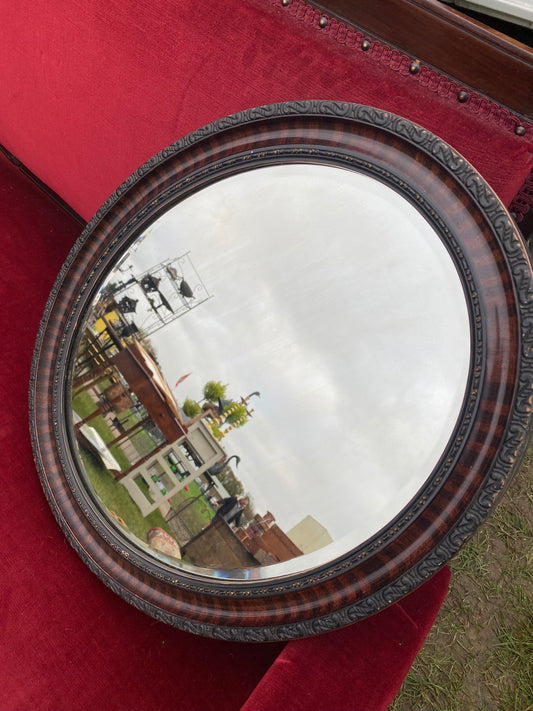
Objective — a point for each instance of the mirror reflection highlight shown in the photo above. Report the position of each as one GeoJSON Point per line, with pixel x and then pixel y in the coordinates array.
{"type": "Point", "coordinates": [271, 372]}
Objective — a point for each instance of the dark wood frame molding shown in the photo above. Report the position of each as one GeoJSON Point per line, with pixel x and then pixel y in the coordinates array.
{"type": "Point", "coordinates": [435, 34]}
{"type": "Point", "coordinates": [490, 435]}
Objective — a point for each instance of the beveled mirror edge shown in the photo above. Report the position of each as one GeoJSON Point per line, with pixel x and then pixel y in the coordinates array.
{"type": "Point", "coordinates": [509, 452]}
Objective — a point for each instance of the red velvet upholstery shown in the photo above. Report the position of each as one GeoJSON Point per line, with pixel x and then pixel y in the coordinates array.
{"type": "Point", "coordinates": [88, 92]}
{"type": "Point", "coordinates": [68, 641]}
{"type": "Point", "coordinates": [92, 91]}
{"type": "Point", "coordinates": [357, 668]}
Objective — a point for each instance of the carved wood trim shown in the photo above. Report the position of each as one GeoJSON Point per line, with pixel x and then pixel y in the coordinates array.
{"type": "Point", "coordinates": [436, 34]}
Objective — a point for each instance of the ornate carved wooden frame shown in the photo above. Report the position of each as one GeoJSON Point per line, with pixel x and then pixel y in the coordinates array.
{"type": "Point", "coordinates": [490, 435]}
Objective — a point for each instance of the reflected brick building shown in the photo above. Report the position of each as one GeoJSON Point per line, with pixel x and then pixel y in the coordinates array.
{"type": "Point", "coordinates": [265, 540]}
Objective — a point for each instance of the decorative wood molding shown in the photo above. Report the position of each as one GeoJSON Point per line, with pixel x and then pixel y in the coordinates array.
{"type": "Point", "coordinates": [471, 52]}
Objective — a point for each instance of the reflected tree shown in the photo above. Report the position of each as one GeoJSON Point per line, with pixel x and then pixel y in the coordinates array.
{"type": "Point", "coordinates": [230, 482]}
{"type": "Point", "coordinates": [214, 390]}
{"type": "Point", "coordinates": [191, 408]}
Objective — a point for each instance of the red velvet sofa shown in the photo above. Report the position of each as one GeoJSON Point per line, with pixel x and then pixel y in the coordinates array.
{"type": "Point", "coordinates": [89, 92]}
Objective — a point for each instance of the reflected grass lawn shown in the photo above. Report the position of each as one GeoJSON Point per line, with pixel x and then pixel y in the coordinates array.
{"type": "Point", "coordinates": [197, 513]}
{"type": "Point", "coordinates": [116, 498]}
{"type": "Point", "coordinates": [84, 405]}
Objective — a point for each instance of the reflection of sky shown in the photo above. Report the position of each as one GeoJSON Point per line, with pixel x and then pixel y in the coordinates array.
{"type": "Point", "coordinates": [332, 297]}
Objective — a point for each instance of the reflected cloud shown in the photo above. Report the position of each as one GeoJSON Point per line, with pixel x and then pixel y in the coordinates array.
{"type": "Point", "coordinates": [329, 294]}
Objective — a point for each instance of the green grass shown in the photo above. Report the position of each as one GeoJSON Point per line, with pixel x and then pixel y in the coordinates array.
{"type": "Point", "coordinates": [83, 405]}
{"type": "Point", "coordinates": [143, 486]}
{"type": "Point", "coordinates": [198, 513]}
{"type": "Point", "coordinates": [512, 656]}
{"type": "Point", "coordinates": [141, 440]}
{"type": "Point", "coordinates": [115, 498]}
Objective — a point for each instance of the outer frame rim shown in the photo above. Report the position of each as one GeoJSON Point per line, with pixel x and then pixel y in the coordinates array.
{"type": "Point", "coordinates": [511, 446]}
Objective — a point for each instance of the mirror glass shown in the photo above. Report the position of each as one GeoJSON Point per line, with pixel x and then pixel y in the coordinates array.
{"type": "Point", "coordinates": [271, 372]}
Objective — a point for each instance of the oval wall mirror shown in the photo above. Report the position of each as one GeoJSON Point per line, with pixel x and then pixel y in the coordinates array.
{"type": "Point", "coordinates": [285, 372]}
